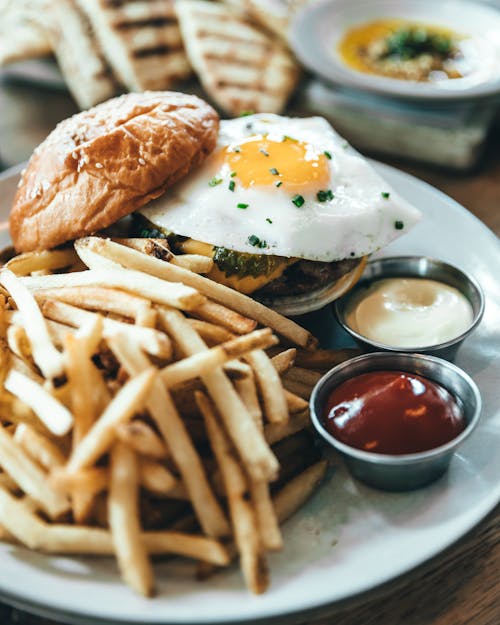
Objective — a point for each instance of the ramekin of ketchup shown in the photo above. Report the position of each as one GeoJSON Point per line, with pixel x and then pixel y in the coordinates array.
{"type": "Point", "coordinates": [393, 412]}
{"type": "Point", "coordinates": [396, 418]}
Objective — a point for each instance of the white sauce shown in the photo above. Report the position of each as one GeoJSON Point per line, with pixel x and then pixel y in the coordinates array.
{"type": "Point", "coordinates": [409, 312]}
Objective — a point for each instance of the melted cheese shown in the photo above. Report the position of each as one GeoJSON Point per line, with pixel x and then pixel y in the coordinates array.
{"type": "Point", "coordinates": [244, 284]}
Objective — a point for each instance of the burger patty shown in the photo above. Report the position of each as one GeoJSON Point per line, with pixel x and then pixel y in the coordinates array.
{"type": "Point", "coordinates": [307, 275]}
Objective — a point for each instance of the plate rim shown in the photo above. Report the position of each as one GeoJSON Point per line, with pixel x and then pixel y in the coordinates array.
{"type": "Point", "coordinates": [355, 80]}
{"type": "Point", "coordinates": [315, 607]}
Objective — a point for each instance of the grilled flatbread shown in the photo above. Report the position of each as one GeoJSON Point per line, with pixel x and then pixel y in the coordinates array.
{"type": "Point", "coordinates": [240, 67]}
{"type": "Point", "coordinates": [274, 15]}
{"type": "Point", "coordinates": [87, 75]}
{"type": "Point", "coordinates": [21, 34]}
{"type": "Point", "coordinates": [141, 41]}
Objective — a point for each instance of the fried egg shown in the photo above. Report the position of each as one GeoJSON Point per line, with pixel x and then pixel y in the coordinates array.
{"type": "Point", "coordinates": [285, 186]}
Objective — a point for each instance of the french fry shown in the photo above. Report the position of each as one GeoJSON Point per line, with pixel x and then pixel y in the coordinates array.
{"type": "Point", "coordinates": [305, 376]}
{"type": "Point", "coordinates": [295, 403]}
{"type": "Point", "coordinates": [156, 478]}
{"type": "Point", "coordinates": [30, 477]}
{"type": "Point", "coordinates": [46, 356]}
{"type": "Point", "coordinates": [13, 410]}
{"type": "Point", "coordinates": [123, 515]}
{"type": "Point", "coordinates": [78, 351]}
{"type": "Point", "coordinates": [256, 455]}
{"type": "Point", "coordinates": [298, 490]}
{"type": "Point", "coordinates": [237, 370]}
{"type": "Point", "coordinates": [146, 317]}
{"type": "Point", "coordinates": [284, 360]}
{"type": "Point", "coordinates": [99, 299]}
{"type": "Point", "coordinates": [154, 342]}
{"type": "Point", "coordinates": [23, 366]}
{"type": "Point", "coordinates": [158, 248]}
{"type": "Point", "coordinates": [243, 519]}
{"type": "Point", "coordinates": [142, 439]}
{"type": "Point", "coordinates": [212, 333]}
{"type": "Point", "coordinates": [225, 317]}
{"type": "Point", "coordinates": [69, 539]}
{"type": "Point", "coordinates": [173, 430]}
{"type": "Point", "coordinates": [323, 359]}
{"type": "Point", "coordinates": [247, 390]}
{"type": "Point", "coordinates": [89, 481]}
{"type": "Point", "coordinates": [102, 434]}
{"type": "Point", "coordinates": [18, 343]}
{"type": "Point", "coordinates": [224, 295]}
{"type": "Point", "coordinates": [51, 412]}
{"type": "Point", "coordinates": [270, 387]}
{"type": "Point", "coordinates": [203, 362]}
{"type": "Point", "coordinates": [24, 264]}
{"type": "Point", "coordinates": [275, 432]}
{"type": "Point", "coordinates": [297, 388]}
{"type": "Point", "coordinates": [41, 449]}
{"type": "Point", "coordinates": [267, 522]}
{"type": "Point", "coordinates": [138, 283]}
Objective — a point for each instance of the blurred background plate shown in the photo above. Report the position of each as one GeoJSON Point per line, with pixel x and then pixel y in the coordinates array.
{"type": "Point", "coordinates": [317, 30]}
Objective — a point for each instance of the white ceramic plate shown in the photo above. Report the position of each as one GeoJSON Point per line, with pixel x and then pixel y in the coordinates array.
{"type": "Point", "coordinates": [317, 30]}
{"type": "Point", "coordinates": [348, 538]}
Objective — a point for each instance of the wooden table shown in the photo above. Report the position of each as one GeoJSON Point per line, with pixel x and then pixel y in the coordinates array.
{"type": "Point", "coordinates": [461, 586]}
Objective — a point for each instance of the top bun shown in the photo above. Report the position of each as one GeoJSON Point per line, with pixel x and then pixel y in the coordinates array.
{"type": "Point", "coordinates": [104, 163]}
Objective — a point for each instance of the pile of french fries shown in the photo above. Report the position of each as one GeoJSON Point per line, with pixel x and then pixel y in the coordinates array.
{"type": "Point", "coordinates": [147, 411]}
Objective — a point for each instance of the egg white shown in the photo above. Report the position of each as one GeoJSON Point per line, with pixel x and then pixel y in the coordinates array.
{"type": "Point", "coordinates": [359, 220]}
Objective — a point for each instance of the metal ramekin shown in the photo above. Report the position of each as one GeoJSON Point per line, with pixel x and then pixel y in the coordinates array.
{"type": "Point", "coordinates": [390, 471]}
{"type": "Point", "coordinates": [416, 267]}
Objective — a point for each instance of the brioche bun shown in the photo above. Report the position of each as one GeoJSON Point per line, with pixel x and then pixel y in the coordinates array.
{"type": "Point", "coordinates": [104, 163]}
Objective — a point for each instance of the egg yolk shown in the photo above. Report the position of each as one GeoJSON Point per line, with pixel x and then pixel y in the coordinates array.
{"type": "Point", "coordinates": [262, 161]}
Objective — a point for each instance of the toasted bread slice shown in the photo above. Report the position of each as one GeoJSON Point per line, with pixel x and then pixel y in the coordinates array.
{"type": "Point", "coordinates": [240, 67]}
{"type": "Point", "coordinates": [274, 15]}
{"type": "Point", "coordinates": [87, 75]}
{"type": "Point", "coordinates": [141, 41]}
{"type": "Point", "coordinates": [22, 36]}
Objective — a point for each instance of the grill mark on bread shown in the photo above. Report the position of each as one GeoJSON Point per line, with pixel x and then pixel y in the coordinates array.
{"type": "Point", "coordinates": [158, 22]}
{"type": "Point", "coordinates": [156, 51]}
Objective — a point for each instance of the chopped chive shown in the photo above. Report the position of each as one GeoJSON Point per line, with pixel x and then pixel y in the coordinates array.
{"type": "Point", "coordinates": [256, 242]}
{"type": "Point", "coordinates": [242, 205]}
{"type": "Point", "coordinates": [323, 196]}
{"type": "Point", "coordinates": [237, 149]}
{"type": "Point", "coordinates": [327, 154]}
{"type": "Point", "coordinates": [214, 182]}
{"type": "Point", "coordinates": [246, 113]}
{"type": "Point", "coordinates": [298, 200]}
{"type": "Point", "coordinates": [231, 185]}
{"type": "Point", "coordinates": [262, 151]}
{"type": "Point", "coordinates": [279, 183]}
{"type": "Point", "coordinates": [274, 171]}
{"type": "Point", "coordinates": [399, 225]}
{"type": "Point", "coordinates": [385, 195]}
{"type": "Point", "coordinates": [233, 174]}
{"type": "Point", "coordinates": [269, 221]}
{"type": "Point", "coordinates": [287, 137]}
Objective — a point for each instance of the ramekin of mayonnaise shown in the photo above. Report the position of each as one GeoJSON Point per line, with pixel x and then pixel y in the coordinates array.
{"type": "Point", "coordinates": [412, 304]}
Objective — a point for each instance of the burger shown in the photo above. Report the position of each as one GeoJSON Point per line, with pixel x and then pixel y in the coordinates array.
{"type": "Point", "coordinates": [285, 208]}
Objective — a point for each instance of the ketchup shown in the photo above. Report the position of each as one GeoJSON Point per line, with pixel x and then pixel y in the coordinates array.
{"type": "Point", "coordinates": [393, 412]}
